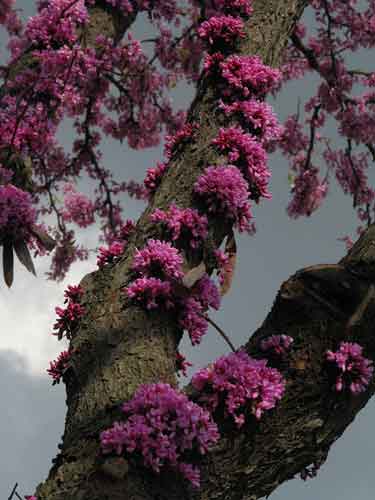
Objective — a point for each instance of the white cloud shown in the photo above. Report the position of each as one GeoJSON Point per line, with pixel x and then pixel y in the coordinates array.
{"type": "Point", "coordinates": [27, 312]}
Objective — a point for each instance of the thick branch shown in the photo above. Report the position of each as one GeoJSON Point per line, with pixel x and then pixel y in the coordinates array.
{"type": "Point", "coordinates": [319, 307]}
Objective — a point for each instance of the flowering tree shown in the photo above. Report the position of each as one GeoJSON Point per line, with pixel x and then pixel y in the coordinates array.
{"type": "Point", "coordinates": [272, 409]}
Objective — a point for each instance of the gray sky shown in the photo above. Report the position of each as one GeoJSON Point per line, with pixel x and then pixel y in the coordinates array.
{"type": "Point", "coordinates": [33, 412]}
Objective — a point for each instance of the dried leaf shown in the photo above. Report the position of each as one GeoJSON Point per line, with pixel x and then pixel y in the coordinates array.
{"type": "Point", "coordinates": [24, 256]}
{"type": "Point", "coordinates": [8, 261]}
{"type": "Point", "coordinates": [43, 238]}
{"type": "Point", "coordinates": [194, 275]}
{"type": "Point", "coordinates": [228, 271]}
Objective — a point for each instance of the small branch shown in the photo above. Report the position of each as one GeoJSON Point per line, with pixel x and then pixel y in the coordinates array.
{"type": "Point", "coordinates": [220, 331]}
{"type": "Point", "coordinates": [371, 149]}
{"type": "Point", "coordinates": [176, 41]}
{"type": "Point", "coordinates": [312, 136]}
{"type": "Point", "coordinates": [13, 491]}
{"type": "Point", "coordinates": [359, 72]}
{"type": "Point", "coordinates": [308, 53]}
{"type": "Point", "coordinates": [348, 154]}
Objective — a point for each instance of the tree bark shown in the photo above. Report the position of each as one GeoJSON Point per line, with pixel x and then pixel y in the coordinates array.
{"type": "Point", "coordinates": [118, 346]}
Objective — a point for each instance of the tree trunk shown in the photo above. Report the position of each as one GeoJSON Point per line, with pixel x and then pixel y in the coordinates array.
{"type": "Point", "coordinates": [118, 346]}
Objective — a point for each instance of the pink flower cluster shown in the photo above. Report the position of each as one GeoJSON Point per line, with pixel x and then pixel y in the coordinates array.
{"type": "Point", "coordinates": [154, 176]}
{"type": "Point", "coordinates": [276, 345]}
{"type": "Point", "coordinates": [78, 207]}
{"type": "Point", "coordinates": [241, 384]}
{"type": "Point", "coordinates": [248, 155]}
{"type": "Point", "coordinates": [109, 255]}
{"type": "Point", "coordinates": [16, 212]}
{"type": "Point", "coordinates": [203, 295]}
{"type": "Point", "coordinates": [224, 191]}
{"type": "Point", "coordinates": [158, 258]}
{"type": "Point", "coordinates": [9, 17]}
{"type": "Point", "coordinates": [66, 252]}
{"type": "Point", "coordinates": [5, 8]}
{"type": "Point", "coordinates": [126, 230]}
{"type": "Point", "coordinates": [158, 264]}
{"type": "Point", "coordinates": [354, 371]}
{"type": "Point", "coordinates": [117, 243]}
{"type": "Point", "coordinates": [57, 367]}
{"type": "Point", "coordinates": [351, 174]}
{"type": "Point", "coordinates": [159, 267]}
{"type": "Point", "coordinates": [162, 429]}
{"type": "Point", "coordinates": [172, 141]}
{"type": "Point", "coordinates": [151, 293]}
{"type": "Point", "coordinates": [243, 82]}
{"type": "Point", "coordinates": [223, 265]}
{"type": "Point", "coordinates": [246, 76]}
{"type": "Point", "coordinates": [184, 225]}
{"type": "Point", "coordinates": [69, 316]}
{"type": "Point", "coordinates": [71, 79]}
{"type": "Point", "coordinates": [221, 31]}
{"type": "Point", "coordinates": [343, 96]}
{"type": "Point", "coordinates": [258, 117]}
{"type": "Point", "coordinates": [308, 193]}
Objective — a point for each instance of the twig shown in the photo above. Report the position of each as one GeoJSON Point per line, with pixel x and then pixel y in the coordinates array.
{"type": "Point", "coordinates": [313, 121]}
{"type": "Point", "coordinates": [220, 331]}
{"type": "Point", "coordinates": [13, 491]}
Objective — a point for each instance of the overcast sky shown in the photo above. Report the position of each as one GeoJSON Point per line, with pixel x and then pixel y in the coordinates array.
{"type": "Point", "coordinates": [33, 411]}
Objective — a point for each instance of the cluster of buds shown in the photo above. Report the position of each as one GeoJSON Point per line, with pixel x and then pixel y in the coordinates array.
{"type": "Point", "coordinates": [353, 370]}
{"type": "Point", "coordinates": [69, 316]}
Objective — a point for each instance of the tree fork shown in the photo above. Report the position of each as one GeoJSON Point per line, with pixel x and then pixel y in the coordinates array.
{"type": "Point", "coordinates": [118, 346]}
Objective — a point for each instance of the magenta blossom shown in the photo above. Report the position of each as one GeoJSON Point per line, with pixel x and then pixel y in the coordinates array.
{"type": "Point", "coordinates": [154, 176]}
{"type": "Point", "coordinates": [16, 212]}
{"type": "Point", "coordinates": [248, 155]}
{"type": "Point", "coordinates": [223, 265]}
{"type": "Point", "coordinates": [183, 223]}
{"type": "Point", "coordinates": [221, 31]}
{"type": "Point", "coordinates": [111, 254]}
{"type": "Point", "coordinates": [354, 370]}
{"type": "Point", "coordinates": [308, 193]}
{"type": "Point", "coordinates": [73, 293]}
{"type": "Point", "coordinates": [247, 76]}
{"type": "Point", "coordinates": [151, 293]}
{"type": "Point", "coordinates": [57, 368]}
{"type": "Point", "coordinates": [69, 316]}
{"type": "Point", "coordinates": [78, 207]}
{"type": "Point", "coordinates": [172, 141]}
{"type": "Point", "coordinates": [162, 428]}
{"type": "Point", "coordinates": [224, 191]}
{"type": "Point", "coordinates": [158, 258]}
{"type": "Point", "coordinates": [244, 385]}
{"type": "Point", "coordinates": [258, 117]}
{"type": "Point", "coordinates": [192, 319]}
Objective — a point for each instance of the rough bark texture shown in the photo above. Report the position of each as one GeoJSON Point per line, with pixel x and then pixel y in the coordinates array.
{"type": "Point", "coordinates": [118, 346]}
